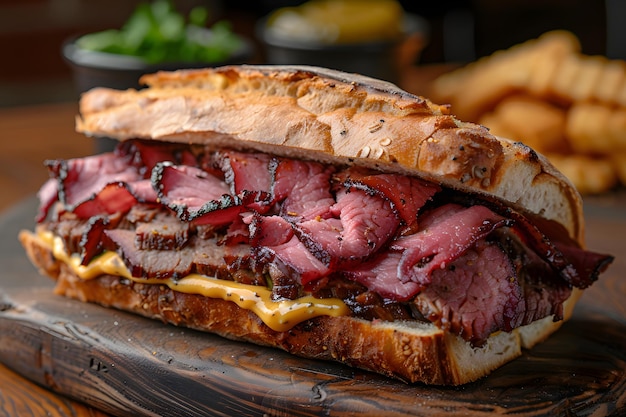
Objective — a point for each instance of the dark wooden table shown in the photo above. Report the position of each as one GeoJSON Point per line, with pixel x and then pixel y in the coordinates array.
{"type": "Point", "coordinates": [587, 357]}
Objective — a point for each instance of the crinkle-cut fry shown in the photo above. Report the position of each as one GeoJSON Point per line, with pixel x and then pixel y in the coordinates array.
{"type": "Point", "coordinates": [617, 129]}
{"type": "Point", "coordinates": [587, 128]}
{"type": "Point", "coordinates": [589, 175]}
{"type": "Point", "coordinates": [581, 78]}
{"type": "Point", "coordinates": [551, 66]}
{"type": "Point", "coordinates": [611, 82]}
{"type": "Point", "coordinates": [587, 79]}
{"type": "Point", "coordinates": [543, 73]}
{"type": "Point", "coordinates": [485, 86]}
{"type": "Point", "coordinates": [533, 121]}
{"type": "Point", "coordinates": [565, 77]}
{"type": "Point", "coordinates": [593, 128]}
{"type": "Point", "coordinates": [473, 89]}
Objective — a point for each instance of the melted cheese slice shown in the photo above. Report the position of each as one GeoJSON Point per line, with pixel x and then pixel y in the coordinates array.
{"type": "Point", "coordinates": [278, 315]}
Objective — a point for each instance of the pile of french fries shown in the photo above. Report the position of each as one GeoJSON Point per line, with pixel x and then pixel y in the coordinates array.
{"type": "Point", "coordinates": [545, 93]}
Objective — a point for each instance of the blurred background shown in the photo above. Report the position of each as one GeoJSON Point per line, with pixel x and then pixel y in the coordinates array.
{"type": "Point", "coordinates": [32, 32]}
{"type": "Point", "coordinates": [564, 95]}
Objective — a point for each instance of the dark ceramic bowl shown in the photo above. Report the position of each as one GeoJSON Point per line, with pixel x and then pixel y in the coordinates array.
{"type": "Point", "coordinates": [99, 69]}
{"type": "Point", "coordinates": [375, 59]}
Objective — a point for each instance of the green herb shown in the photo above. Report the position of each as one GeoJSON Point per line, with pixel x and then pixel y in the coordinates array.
{"type": "Point", "coordinates": [156, 32]}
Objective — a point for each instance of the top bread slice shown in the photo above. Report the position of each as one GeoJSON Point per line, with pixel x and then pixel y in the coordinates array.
{"type": "Point", "coordinates": [331, 116]}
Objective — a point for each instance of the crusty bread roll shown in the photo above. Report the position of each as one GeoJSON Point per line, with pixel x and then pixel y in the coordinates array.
{"type": "Point", "coordinates": [337, 118]}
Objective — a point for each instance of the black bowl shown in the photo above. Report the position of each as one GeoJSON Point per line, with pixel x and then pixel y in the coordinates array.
{"type": "Point", "coordinates": [375, 59]}
{"type": "Point", "coordinates": [100, 69]}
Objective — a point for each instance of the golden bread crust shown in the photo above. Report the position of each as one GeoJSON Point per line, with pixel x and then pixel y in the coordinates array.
{"type": "Point", "coordinates": [330, 116]}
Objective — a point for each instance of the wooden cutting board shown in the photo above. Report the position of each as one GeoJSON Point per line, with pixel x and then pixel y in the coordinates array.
{"type": "Point", "coordinates": [127, 365]}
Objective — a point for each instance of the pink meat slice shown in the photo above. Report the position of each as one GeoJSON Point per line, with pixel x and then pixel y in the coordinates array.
{"type": "Point", "coordinates": [361, 225]}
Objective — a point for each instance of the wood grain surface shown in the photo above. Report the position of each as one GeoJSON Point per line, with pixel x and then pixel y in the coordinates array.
{"type": "Point", "coordinates": [21, 397]}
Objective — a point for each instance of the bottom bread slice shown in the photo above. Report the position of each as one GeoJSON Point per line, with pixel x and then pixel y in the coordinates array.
{"type": "Point", "coordinates": [410, 351]}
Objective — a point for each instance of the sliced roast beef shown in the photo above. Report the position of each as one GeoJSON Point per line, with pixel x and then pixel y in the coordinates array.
{"type": "Point", "coordinates": [285, 284]}
{"type": "Point", "coordinates": [475, 295]}
{"type": "Point", "coordinates": [151, 263]}
{"type": "Point", "coordinates": [115, 197]}
{"type": "Point", "coordinates": [199, 197]}
{"type": "Point", "coordinates": [588, 265]}
{"type": "Point", "coordinates": [543, 294]}
{"type": "Point", "coordinates": [269, 230]}
{"type": "Point", "coordinates": [82, 178]}
{"type": "Point", "coordinates": [491, 287]}
{"type": "Point", "coordinates": [144, 213]}
{"type": "Point", "coordinates": [543, 297]}
{"type": "Point", "coordinates": [186, 189]}
{"type": "Point", "coordinates": [361, 225]}
{"type": "Point", "coordinates": [303, 188]}
{"type": "Point", "coordinates": [244, 171]}
{"type": "Point", "coordinates": [406, 194]}
{"type": "Point", "coordinates": [293, 256]}
{"type": "Point", "coordinates": [145, 154]}
{"type": "Point", "coordinates": [194, 195]}
{"type": "Point", "coordinates": [548, 239]}
{"type": "Point", "coordinates": [237, 232]}
{"type": "Point", "coordinates": [100, 184]}
{"type": "Point", "coordinates": [248, 176]}
{"type": "Point", "coordinates": [71, 230]}
{"type": "Point", "coordinates": [203, 256]}
{"type": "Point", "coordinates": [380, 275]}
{"type": "Point", "coordinates": [386, 244]}
{"type": "Point", "coordinates": [231, 263]}
{"type": "Point", "coordinates": [83, 236]}
{"type": "Point", "coordinates": [242, 267]}
{"type": "Point", "coordinates": [143, 191]}
{"type": "Point", "coordinates": [445, 234]}
{"type": "Point", "coordinates": [372, 306]}
{"type": "Point", "coordinates": [162, 233]}
{"type": "Point", "coordinates": [92, 242]}
{"type": "Point", "coordinates": [47, 195]}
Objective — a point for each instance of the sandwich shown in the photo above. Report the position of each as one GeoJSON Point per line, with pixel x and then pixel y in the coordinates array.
{"type": "Point", "coordinates": [330, 215]}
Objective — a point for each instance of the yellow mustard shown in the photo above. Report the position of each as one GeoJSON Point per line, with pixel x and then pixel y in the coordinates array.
{"type": "Point", "coordinates": [278, 315]}
{"type": "Point", "coordinates": [338, 21]}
